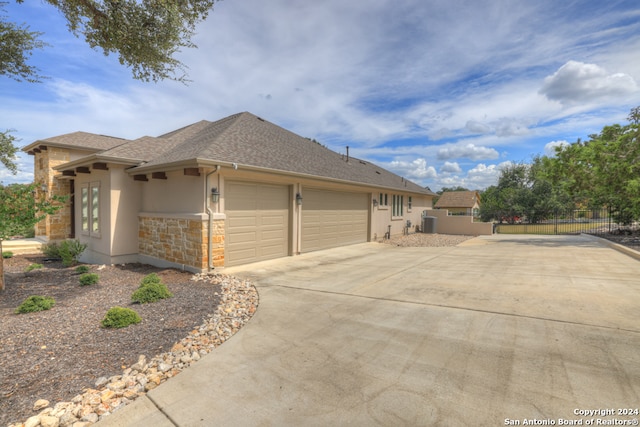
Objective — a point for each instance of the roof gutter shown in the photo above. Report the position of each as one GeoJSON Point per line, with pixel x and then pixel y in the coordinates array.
{"type": "Point", "coordinates": [207, 191]}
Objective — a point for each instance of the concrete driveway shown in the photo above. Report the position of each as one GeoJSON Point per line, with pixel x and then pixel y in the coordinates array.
{"type": "Point", "coordinates": [495, 331]}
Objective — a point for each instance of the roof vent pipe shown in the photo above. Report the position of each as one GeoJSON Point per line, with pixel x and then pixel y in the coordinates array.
{"type": "Point", "coordinates": [347, 154]}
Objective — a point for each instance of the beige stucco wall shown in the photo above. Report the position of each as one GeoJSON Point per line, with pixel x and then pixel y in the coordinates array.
{"type": "Point", "coordinates": [382, 216]}
{"type": "Point", "coordinates": [125, 204]}
{"type": "Point", "coordinates": [458, 224]}
{"type": "Point", "coordinates": [176, 194]}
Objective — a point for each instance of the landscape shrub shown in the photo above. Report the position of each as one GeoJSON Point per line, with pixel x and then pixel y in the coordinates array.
{"type": "Point", "coordinates": [150, 278]}
{"type": "Point", "coordinates": [89, 279]}
{"type": "Point", "coordinates": [32, 267]}
{"type": "Point", "coordinates": [7, 254]}
{"type": "Point", "coordinates": [119, 317]}
{"type": "Point", "coordinates": [35, 303]}
{"type": "Point", "coordinates": [151, 290]}
{"type": "Point", "coordinates": [70, 251]}
{"type": "Point", "coordinates": [81, 269]}
{"type": "Point", "coordinates": [51, 250]}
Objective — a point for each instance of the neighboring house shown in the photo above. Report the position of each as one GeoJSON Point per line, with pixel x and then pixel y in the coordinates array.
{"type": "Point", "coordinates": [460, 203]}
{"type": "Point", "coordinates": [217, 194]}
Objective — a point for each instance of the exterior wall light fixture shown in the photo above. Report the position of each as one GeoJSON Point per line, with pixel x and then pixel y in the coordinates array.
{"type": "Point", "coordinates": [375, 202]}
{"type": "Point", "coordinates": [215, 195]}
{"type": "Point", "coordinates": [298, 199]}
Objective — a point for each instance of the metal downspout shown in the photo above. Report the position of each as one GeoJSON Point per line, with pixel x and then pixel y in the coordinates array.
{"type": "Point", "coordinates": [210, 214]}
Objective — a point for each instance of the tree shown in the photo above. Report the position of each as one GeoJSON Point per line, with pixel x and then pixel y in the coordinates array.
{"type": "Point", "coordinates": [17, 43]}
{"type": "Point", "coordinates": [524, 190]}
{"type": "Point", "coordinates": [145, 35]}
{"type": "Point", "coordinates": [8, 151]}
{"type": "Point", "coordinates": [21, 209]}
{"type": "Point", "coordinates": [605, 170]}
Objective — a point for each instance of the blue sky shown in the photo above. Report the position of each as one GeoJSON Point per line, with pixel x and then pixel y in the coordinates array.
{"type": "Point", "coordinates": [444, 93]}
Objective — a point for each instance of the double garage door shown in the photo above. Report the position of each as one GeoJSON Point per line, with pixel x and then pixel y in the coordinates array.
{"type": "Point", "coordinates": [258, 221]}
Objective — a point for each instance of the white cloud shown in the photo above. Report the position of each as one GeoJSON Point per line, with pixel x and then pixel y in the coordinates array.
{"type": "Point", "coordinates": [576, 82]}
{"type": "Point", "coordinates": [450, 167]}
{"type": "Point", "coordinates": [550, 148]}
{"type": "Point", "coordinates": [416, 169]}
{"type": "Point", "coordinates": [469, 151]}
{"type": "Point", "coordinates": [477, 127]}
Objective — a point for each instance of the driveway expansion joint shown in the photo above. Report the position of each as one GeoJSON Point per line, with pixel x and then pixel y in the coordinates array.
{"type": "Point", "coordinates": [474, 310]}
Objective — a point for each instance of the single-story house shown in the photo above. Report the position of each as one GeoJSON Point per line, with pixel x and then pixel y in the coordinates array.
{"type": "Point", "coordinates": [460, 203]}
{"type": "Point", "coordinates": [215, 194]}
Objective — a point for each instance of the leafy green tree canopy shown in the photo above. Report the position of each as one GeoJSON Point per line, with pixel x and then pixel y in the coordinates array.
{"type": "Point", "coordinates": [144, 34]}
{"type": "Point", "coordinates": [8, 151]}
{"type": "Point", "coordinates": [605, 170]}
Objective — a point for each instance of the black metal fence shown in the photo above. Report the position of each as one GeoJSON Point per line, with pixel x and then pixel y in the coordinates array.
{"type": "Point", "coordinates": [591, 221]}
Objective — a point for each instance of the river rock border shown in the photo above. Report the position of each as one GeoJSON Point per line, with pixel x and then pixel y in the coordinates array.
{"type": "Point", "coordinates": [238, 303]}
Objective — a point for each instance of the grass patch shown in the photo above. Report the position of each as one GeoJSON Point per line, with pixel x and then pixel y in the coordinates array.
{"type": "Point", "coordinates": [32, 267]}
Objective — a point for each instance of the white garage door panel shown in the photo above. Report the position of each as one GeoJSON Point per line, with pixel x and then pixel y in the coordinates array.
{"type": "Point", "coordinates": [331, 219]}
{"type": "Point", "coordinates": [257, 222]}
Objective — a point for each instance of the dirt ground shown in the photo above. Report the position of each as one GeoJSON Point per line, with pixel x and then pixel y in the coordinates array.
{"type": "Point", "coordinates": [55, 354]}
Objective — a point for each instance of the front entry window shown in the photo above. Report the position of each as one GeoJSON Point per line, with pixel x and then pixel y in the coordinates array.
{"type": "Point", "coordinates": [90, 208]}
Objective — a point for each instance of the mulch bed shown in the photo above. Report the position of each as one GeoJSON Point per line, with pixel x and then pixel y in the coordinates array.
{"type": "Point", "coordinates": [55, 354]}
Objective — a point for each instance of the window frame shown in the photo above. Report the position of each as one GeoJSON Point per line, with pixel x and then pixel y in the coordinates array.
{"type": "Point", "coordinates": [90, 212]}
{"type": "Point", "coordinates": [397, 207]}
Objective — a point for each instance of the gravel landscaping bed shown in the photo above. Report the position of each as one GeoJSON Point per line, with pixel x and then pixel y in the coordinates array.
{"type": "Point", "coordinates": [57, 354]}
{"type": "Point", "coordinates": [424, 239]}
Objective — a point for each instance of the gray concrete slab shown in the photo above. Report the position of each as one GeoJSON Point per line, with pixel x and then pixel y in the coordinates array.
{"type": "Point", "coordinates": [500, 328]}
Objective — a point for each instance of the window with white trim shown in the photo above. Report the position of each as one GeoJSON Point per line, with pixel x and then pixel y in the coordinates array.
{"type": "Point", "coordinates": [90, 208]}
{"type": "Point", "coordinates": [384, 201]}
{"type": "Point", "coordinates": [409, 204]}
{"type": "Point", "coordinates": [397, 208]}
{"type": "Point", "coordinates": [84, 208]}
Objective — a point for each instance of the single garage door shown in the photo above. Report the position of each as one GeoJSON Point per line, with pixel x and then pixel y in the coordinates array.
{"type": "Point", "coordinates": [331, 219]}
{"type": "Point", "coordinates": [257, 226]}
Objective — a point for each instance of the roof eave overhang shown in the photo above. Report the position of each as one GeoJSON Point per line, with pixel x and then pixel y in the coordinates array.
{"type": "Point", "coordinates": [96, 158]}
{"type": "Point", "coordinates": [207, 163]}
{"type": "Point", "coordinates": [37, 144]}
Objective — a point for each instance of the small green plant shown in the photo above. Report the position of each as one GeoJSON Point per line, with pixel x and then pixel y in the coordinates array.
{"type": "Point", "coordinates": [89, 279]}
{"type": "Point", "coordinates": [51, 250]}
{"type": "Point", "coordinates": [151, 290]}
{"type": "Point", "coordinates": [32, 267]}
{"type": "Point", "coordinates": [35, 303]}
{"type": "Point", "coordinates": [7, 254]}
{"type": "Point", "coordinates": [150, 278]}
{"type": "Point", "coordinates": [82, 269]}
{"type": "Point", "coordinates": [119, 317]}
{"type": "Point", "coordinates": [70, 251]}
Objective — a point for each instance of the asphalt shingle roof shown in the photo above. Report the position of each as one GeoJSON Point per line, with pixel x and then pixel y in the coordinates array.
{"type": "Point", "coordinates": [457, 199]}
{"type": "Point", "coordinates": [81, 140]}
{"type": "Point", "coordinates": [248, 141]}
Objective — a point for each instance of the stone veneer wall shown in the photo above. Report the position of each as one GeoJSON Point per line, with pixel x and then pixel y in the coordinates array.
{"type": "Point", "coordinates": [181, 241]}
{"type": "Point", "coordinates": [58, 225]}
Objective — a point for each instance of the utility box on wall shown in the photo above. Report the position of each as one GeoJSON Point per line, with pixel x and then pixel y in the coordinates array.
{"type": "Point", "coordinates": [429, 224]}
